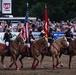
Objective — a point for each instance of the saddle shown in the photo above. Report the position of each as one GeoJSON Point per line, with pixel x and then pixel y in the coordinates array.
{"type": "Point", "coordinates": [3, 48]}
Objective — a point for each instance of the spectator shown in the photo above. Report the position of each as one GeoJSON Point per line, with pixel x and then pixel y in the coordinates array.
{"type": "Point", "coordinates": [5, 28]}
{"type": "Point", "coordinates": [4, 25]}
{"type": "Point", "coordinates": [19, 27]}
{"type": "Point", "coordinates": [11, 27]}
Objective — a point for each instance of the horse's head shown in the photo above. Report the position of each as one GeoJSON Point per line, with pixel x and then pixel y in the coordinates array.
{"type": "Point", "coordinates": [64, 41]}
{"type": "Point", "coordinates": [20, 39]}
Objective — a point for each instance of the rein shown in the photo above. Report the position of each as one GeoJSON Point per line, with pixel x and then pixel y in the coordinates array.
{"type": "Point", "coordinates": [55, 47]}
{"type": "Point", "coordinates": [36, 48]}
{"type": "Point", "coordinates": [73, 47]}
{"type": "Point", "coordinates": [37, 42]}
{"type": "Point", "coordinates": [13, 47]}
{"type": "Point", "coordinates": [57, 44]}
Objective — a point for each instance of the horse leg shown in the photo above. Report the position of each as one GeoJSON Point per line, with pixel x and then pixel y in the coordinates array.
{"type": "Point", "coordinates": [2, 61]}
{"type": "Point", "coordinates": [57, 61]}
{"type": "Point", "coordinates": [70, 59]}
{"type": "Point", "coordinates": [53, 60]}
{"type": "Point", "coordinates": [60, 63]}
{"type": "Point", "coordinates": [17, 56]}
{"type": "Point", "coordinates": [37, 61]}
{"type": "Point", "coordinates": [20, 59]}
{"type": "Point", "coordinates": [14, 62]}
{"type": "Point", "coordinates": [11, 63]}
{"type": "Point", "coordinates": [33, 64]}
{"type": "Point", "coordinates": [42, 57]}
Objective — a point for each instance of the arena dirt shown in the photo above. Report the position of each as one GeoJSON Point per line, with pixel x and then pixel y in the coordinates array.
{"type": "Point", "coordinates": [47, 70]}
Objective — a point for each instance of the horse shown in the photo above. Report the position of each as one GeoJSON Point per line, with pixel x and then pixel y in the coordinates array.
{"type": "Point", "coordinates": [55, 50]}
{"type": "Point", "coordinates": [71, 51]}
{"type": "Point", "coordinates": [13, 50]}
{"type": "Point", "coordinates": [35, 49]}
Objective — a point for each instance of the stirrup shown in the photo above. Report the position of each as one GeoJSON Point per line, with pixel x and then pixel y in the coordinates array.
{"type": "Point", "coordinates": [5, 51]}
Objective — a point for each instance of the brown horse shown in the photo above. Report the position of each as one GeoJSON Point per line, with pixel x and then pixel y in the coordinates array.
{"type": "Point", "coordinates": [71, 49]}
{"type": "Point", "coordinates": [36, 49]}
{"type": "Point", "coordinates": [13, 49]}
{"type": "Point", "coordinates": [55, 50]}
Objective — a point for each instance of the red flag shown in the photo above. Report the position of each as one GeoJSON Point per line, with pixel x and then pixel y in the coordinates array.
{"type": "Point", "coordinates": [46, 21]}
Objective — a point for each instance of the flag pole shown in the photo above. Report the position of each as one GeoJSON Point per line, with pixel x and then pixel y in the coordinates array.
{"type": "Point", "coordinates": [46, 22]}
{"type": "Point", "coordinates": [28, 49]}
{"type": "Point", "coordinates": [28, 28]}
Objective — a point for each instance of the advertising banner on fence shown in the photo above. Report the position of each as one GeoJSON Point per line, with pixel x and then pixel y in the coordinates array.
{"type": "Point", "coordinates": [35, 34]}
{"type": "Point", "coordinates": [14, 34]}
{"type": "Point", "coordinates": [6, 6]}
{"type": "Point", "coordinates": [58, 34]}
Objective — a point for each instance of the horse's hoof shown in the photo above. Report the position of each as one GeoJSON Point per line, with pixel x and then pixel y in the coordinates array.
{"type": "Point", "coordinates": [42, 67]}
{"type": "Point", "coordinates": [21, 66]}
{"type": "Point", "coordinates": [18, 69]}
{"type": "Point", "coordinates": [55, 68]}
{"type": "Point", "coordinates": [61, 65]}
{"type": "Point", "coordinates": [8, 68]}
{"type": "Point", "coordinates": [70, 68]}
{"type": "Point", "coordinates": [5, 68]}
{"type": "Point", "coordinates": [34, 67]}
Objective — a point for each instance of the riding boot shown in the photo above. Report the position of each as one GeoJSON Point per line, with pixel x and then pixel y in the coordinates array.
{"type": "Point", "coordinates": [28, 52]}
{"type": "Point", "coordinates": [6, 49]}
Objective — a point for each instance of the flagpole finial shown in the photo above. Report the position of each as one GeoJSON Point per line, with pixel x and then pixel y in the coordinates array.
{"type": "Point", "coordinates": [45, 6]}
{"type": "Point", "coordinates": [27, 4]}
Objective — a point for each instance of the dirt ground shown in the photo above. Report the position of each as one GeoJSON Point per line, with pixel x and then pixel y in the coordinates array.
{"type": "Point", "coordinates": [47, 70]}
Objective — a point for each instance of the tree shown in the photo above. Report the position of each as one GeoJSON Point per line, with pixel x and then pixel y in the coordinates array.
{"type": "Point", "coordinates": [58, 9]}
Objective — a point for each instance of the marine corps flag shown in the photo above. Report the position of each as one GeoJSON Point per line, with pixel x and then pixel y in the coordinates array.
{"type": "Point", "coordinates": [46, 22]}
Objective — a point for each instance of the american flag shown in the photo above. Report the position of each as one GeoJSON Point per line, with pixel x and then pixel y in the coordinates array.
{"type": "Point", "coordinates": [46, 22]}
{"type": "Point", "coordinates": [24, 30]}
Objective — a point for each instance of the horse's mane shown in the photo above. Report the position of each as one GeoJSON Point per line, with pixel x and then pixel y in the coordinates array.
{"type": "Point", "coordinates": [40, 38]}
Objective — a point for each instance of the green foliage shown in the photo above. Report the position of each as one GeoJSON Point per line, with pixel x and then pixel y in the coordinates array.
{"type": "Point", "coordinates": [58, 9]}
{"type": "Point", "coordinates": [37, 10]}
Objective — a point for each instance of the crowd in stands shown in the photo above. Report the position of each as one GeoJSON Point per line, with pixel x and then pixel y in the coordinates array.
{"type": "Point", "coordinates": [37, 25]}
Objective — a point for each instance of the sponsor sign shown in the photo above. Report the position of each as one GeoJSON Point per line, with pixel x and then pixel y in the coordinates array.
{"type": "Point", "coordinates": [36, 35]}
{"type": "Point", "coordinates": [6, 6]}
{"type": "Point", "coordinates": [14, 34]}
{"type": "Point", "coordinates": [57, 35]}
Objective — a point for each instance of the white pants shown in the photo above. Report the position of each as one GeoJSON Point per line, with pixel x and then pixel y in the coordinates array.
{"type": "Point", "coordinates": [7, 43]}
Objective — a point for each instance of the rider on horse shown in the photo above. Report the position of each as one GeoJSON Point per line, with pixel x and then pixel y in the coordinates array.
{"type": "Point", "coordinates": [50, 38]}
{"type": "Point", "coordinates": [29, 40]}
{"type": "Point", "coordinates": [69, 35]}
{"type": "Point", "coordinates": [7, 37]}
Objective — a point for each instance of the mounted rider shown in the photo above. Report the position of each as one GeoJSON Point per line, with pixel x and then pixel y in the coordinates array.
{"type": "Point", "coordinates": [29, 42]}
{"type": "Point", "coordinates": [7, 38]}
{"type": "Point", "coordinates": [69, 35]}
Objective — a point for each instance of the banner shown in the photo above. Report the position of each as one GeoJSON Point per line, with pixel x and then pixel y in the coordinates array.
{"type": "Point", "coordinates": [6, 6]}
{"type": "Point", "coordinates": [57, 35]}
{"type": "Point", "coordinates": [14, 34]}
